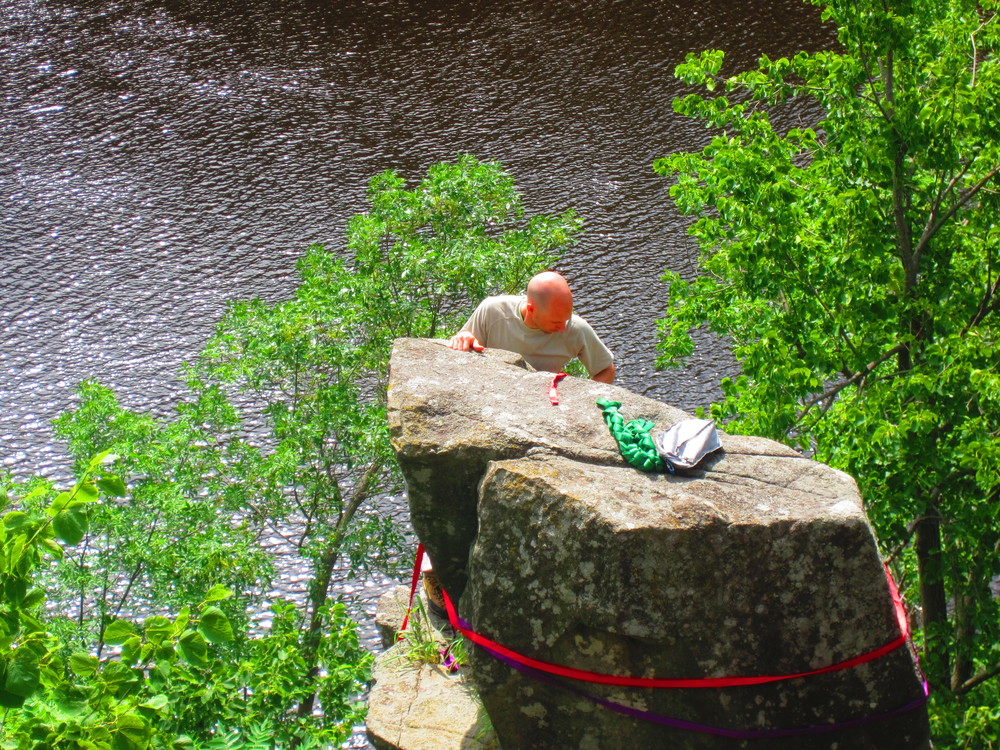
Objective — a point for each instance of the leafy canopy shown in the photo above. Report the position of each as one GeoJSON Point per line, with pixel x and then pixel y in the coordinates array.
{"type": "Point", "coordinates": [170, 681]}
{"type": "Point", "coordinates": [854, 265]}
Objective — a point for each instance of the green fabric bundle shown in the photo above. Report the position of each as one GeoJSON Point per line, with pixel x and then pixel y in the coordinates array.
{"type": "Point", "coordinates": [634, 440]}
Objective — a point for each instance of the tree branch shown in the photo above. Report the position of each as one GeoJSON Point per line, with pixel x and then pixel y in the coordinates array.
{"type": "Point", "coordinates": [856, 377]}
{"type": "Point", "coordinates": [979, 679]}
{"type": "Point", "coordinates": [933, 226]}
{"type": "Point", "coordinates": [910, 528]}
{"type": "Point", "coordinates": [900, 205]}
{"type": "Point", "coordinates": [988, 304]}
{"type": "Point", "coordinates": [975, 50]}
{"type": "Point", "coordinates": [939, 199]}
{"type": "Point", "coordinates": [360, 493]}
{"type": "Point", "coordinates": [320, 584]}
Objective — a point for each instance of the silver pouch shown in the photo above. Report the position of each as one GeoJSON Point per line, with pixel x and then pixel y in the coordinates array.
{"type": "Point", "coordinates": [687, 442]}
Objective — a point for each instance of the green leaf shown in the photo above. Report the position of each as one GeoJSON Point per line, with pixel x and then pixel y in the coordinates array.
{"type": "Point", "coordinates": [54, 548]}
{"type": "Point", "coordinates": [130, 650]}
{"type": "Point", "coordinates": [22, 673]}
{"type": "Point", "coordinates": [15, 589]}
{"type": "Point", "coordinates": [16, 520]}
{"type": "Point", "coordinates": [33, 598]}
{"type": "Point", "coordinates": [131, 732]}
{"type": "Point", "coordinates": [69, 707]}
{"type": "Point", "coordinates": [120, 678]}
{"type": "Point", "coordinates": [118, 631]}
{"type": "Point", "coordinates": [158, 629]}
{"type": "Point", "coordinates": [29, 624]}
{"type": "Point", "coordinates": [11, 700]}
{"type": "Point", "coordinates": [59, 504]}
{"type": "Point", "coordinates": [70, 525]}
{"type": "Point", "coordinates": [104, 458]}
{"type": "Point", "coordinates": [215, 626]}
{"type": "Point", "coordinates": [181, 621]}
{"type": "Point", "coordinates": [218, 593]}
{"type": "Point", "coordinates": [157, 703]}
{"type": "Point", "coordinates": [112, 485]}
{"type": "Point", "coordinates": [85, 492]}
{"type": "Point", "coordinates": [193, 648]}
{"type": "Point", "coordinates": [83, 664]}
{"type": "Point", "coordinates": [159, 675]}
{"type": "Point", "coordinates": [37, 492]}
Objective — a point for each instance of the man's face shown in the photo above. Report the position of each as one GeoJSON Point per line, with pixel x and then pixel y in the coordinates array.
{"type": "Point", "coordinates": [553, 317]}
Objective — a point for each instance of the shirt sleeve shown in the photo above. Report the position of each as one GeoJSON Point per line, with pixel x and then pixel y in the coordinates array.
{"type": "Point", "coordinates": [479, 322]}
{"type": "Point", "coordinates": [593, 353]}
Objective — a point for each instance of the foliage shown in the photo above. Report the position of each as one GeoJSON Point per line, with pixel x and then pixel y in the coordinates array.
{"type": "Point", "coordinates": [284, 429]}
{"type": "Point", "coordinates": [79, 701]}
{"type": "Point", "coordinates": [423, 258]}
{"type": "Point", "coordinates": [968, 722]}
{"type": "Point", "coordinates": [174, 536]}
{"type": "Point", "coordinates": [854, 266]}
{"type": "Point", "coordinates": [422, 643]}
{"type": "Point", "coordinates": [27, 654]}
{"type": "Point", "coordinates": [171, 682]}
{"type": "Point", "coordinates": [240, 697]}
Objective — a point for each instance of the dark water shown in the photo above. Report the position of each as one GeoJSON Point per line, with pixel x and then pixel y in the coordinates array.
{"type": "Point", "coordinates": [160, 157]}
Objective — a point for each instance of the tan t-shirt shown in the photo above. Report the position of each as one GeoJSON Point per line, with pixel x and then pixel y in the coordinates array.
{"type": "Point", "coordinates": [497, 324]}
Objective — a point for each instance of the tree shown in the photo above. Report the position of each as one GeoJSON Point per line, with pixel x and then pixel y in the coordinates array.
{"type": "Point", "coordinates": [173, 537]}
{"type": "Point", "coordinates": [854, 266]}
{"type": "Point", "coordinates": [285, 425]}
{"type": "Point", "coordinates": [172, 682]}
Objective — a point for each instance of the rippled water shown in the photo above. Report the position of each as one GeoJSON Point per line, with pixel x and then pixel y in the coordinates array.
{"type": "Point", "coordinates": [160, 157]}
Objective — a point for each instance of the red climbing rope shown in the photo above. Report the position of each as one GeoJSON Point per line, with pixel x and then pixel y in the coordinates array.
{"type": "Point", "coordinates": [413, 588]}
{"type": "Point", "coordinates": [668, 682]}
{"type": "Point", "coordinates": [542, 670]}
{"type": "Point", "coordinates": [553, 389]}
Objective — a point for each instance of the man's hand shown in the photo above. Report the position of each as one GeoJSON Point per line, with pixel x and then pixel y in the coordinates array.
{"type": "Point", "coordinates": [464, 341]}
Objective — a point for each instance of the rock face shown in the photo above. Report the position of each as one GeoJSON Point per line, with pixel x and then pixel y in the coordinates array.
{"type": "Point", "coordinates": [414, 706]}
{"type": "Point", "coordinates": [760, 563]}
{"type": "Point", "coordinates": [421, 707]}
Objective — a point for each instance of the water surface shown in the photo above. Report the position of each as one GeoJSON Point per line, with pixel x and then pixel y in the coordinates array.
{"type": "Point", "coordinates": [159, 158]}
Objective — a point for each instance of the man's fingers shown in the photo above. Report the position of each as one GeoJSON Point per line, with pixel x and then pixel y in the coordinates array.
{"type": "Point", "coordinates": [463, 342]}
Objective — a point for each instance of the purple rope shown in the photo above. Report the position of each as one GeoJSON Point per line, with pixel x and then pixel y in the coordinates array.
{"type": "Point", "coordinates": [739, 734]}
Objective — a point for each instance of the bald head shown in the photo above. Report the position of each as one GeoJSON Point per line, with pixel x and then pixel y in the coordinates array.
{"type": "Point", "coordinates": [549, 286]}
{"type": "Point", "coordinates": [550, 302]}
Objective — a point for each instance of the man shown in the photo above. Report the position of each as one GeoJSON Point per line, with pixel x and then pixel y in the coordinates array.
{"type": "Point", "coordinates": [540, 326]}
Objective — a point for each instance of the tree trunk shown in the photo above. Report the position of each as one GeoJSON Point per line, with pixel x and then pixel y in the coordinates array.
{"type": "Point", "coordinates": [965, 630]}
{"type": "Point", "coordinates": [319, 587]}
{"type": "Point", "coordinates": [930, 565]}
{"type": "Point", "coordinates": [319, 592]}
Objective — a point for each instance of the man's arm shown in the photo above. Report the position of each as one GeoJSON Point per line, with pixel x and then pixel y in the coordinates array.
{"type": "Point", "coordinates": [594, 353]}
{"type": "Point", "coordinates": [473, 333]}
{"type": "Point", "coordinates": [607, 375]}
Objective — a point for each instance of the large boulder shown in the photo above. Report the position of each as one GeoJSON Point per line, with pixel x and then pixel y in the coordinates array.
{"type": "Point", "coordinates": [422, 707]}
{"type": "Point", "coordinates": [760, 563]}
{"type": "Point", "coordinates": [451, 413]}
